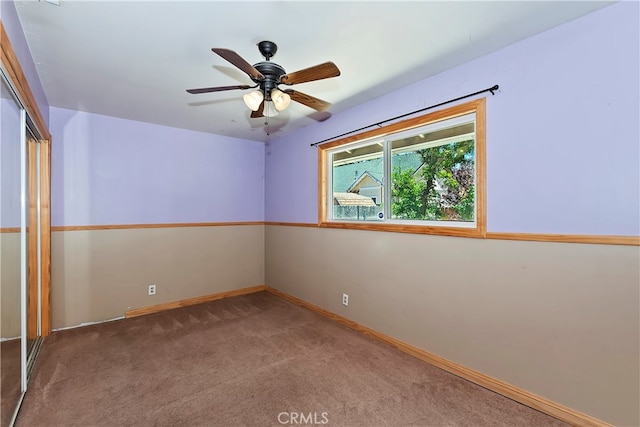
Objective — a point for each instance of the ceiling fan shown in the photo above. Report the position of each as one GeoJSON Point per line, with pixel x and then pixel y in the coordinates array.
{"type": "Point", "coordinates": [268, 75]}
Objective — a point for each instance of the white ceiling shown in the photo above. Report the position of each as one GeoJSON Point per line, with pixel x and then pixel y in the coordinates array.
{"type": "Point", "coordinates": [134, 59]}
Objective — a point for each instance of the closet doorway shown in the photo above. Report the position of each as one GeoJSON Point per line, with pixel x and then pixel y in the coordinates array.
{"type": "Point", "coordinates": [24, 247]}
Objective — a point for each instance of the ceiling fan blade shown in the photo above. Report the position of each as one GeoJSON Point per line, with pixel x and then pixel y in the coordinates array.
{"type": "Point", "coordinates": [218, 89]}
{"type": "Point", "coordinates": [259, 112]}
{"type": "Point", "coordinates": [308, 100]}
{"type": "Point", "coordinates": [239, 62]}
{"type": "Point", "coordinates": [317, 72]}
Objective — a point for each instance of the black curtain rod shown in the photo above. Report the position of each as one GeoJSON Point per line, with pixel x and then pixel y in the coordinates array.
{"type": "Point", "coordinates": [492, 89]}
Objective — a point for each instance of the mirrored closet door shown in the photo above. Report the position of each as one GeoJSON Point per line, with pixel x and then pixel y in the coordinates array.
{"type": "Point", "coordinates": [11, 250]}
{"type": "Point", "coordinates": [24, 247]}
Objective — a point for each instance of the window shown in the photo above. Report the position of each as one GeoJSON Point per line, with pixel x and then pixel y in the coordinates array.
{"type": "Point", "coordinates": [422, 175]}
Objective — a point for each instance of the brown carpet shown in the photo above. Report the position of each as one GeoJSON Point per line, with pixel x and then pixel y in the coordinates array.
{"type": "Point", "coordinates": [253, 360]}
{"type": "Point", "coordinates": [9, 379]}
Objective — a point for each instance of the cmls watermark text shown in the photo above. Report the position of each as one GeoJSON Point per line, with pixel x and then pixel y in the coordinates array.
{"type": "Point", "coordinates": [301, 418]}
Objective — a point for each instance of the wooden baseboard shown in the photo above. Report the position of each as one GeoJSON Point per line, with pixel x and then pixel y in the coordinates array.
{"type": "Point", "coordinates": [192, 301]}
{"type": "Point", "coordinates": [540, 403]}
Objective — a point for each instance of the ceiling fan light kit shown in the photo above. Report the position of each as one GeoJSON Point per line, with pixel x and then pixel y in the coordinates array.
{"type": "Point", "coordinates": [270, 110]}
{"type": "Point", "coordinates": [280, 99]}
{"type": "Point", "coordinates": [269, 99]}
{"type": "Point", "coordinates": [253, 99]}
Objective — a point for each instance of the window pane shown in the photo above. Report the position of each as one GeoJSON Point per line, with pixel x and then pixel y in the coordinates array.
{"type": "Point", "coordinates": [357, 176]}
{"type": "Point", "coordinates": [433, 175]}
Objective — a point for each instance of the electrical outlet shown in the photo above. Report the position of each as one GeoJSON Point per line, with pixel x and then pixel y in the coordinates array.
{"type": "Point", "coordinates": [345, 299]}
{"type": "Point", "coordinates": [152, 289]}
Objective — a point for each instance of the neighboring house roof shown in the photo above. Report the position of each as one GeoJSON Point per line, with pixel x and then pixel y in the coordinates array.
{"type": "Point", "coordinates": [346, 176]}
{"type": "Point", "coordinates": [362, 179]}
{"type": "Point", "coordinates": [351, 199]}
{"type": "Point", "coordinates": [410, 160]}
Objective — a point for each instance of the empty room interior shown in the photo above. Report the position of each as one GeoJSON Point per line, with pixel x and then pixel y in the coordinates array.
{"type": "Point", "coordinates": [337, 213]}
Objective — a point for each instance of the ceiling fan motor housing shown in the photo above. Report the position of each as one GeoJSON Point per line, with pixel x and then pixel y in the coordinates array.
{"type": "Point", "coordinates": [271, 72]}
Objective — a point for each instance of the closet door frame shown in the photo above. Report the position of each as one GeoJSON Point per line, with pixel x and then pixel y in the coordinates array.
{"type": "Point", "coordinates": [16, 79]}
{"type": "Point", "coordinates": [33, 273]}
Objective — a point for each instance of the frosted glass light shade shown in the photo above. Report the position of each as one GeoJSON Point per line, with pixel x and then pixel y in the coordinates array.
{"type": "Point", "coordinates": [280, 99]}
{"type": "Point", "coordinates": [269, 109]}
{"type": "Point", "coordinates": [253, 99]}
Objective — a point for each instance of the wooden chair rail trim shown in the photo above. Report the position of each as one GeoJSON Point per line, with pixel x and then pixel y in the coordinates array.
{"type": "Point", "coordinates": [442, 231]}
{"type": "Point", "coordinates": [567, 238]}
{"type": "Point", "coordinates": [532, 400]}
{"type": "Point", "coordinates": [167, 225]}
{"type": "Point", "coordinates": [10, 230]}
{"type": "Point", "coordinates": [447, 231]}
{"type": "Point", "coordinates": [293, 224]}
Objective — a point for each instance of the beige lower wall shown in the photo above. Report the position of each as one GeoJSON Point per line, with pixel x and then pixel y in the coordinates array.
{"type": "Point", "coordinates": [100, 274]}
{"type": "Point", "coordinates": [560, 320]}
{"type": "Point", "coordinates": [10, 315]}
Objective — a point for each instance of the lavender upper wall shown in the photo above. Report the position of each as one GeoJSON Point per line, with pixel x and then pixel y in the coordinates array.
{"type": "Point", "coordinates": [13, 27]}
{"type": "Point", "coordinates": [107, 170]}
{"type": "Point", "coordinates": [10, 205]}
{"type": "Point", "coordinates": [562, 133]}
